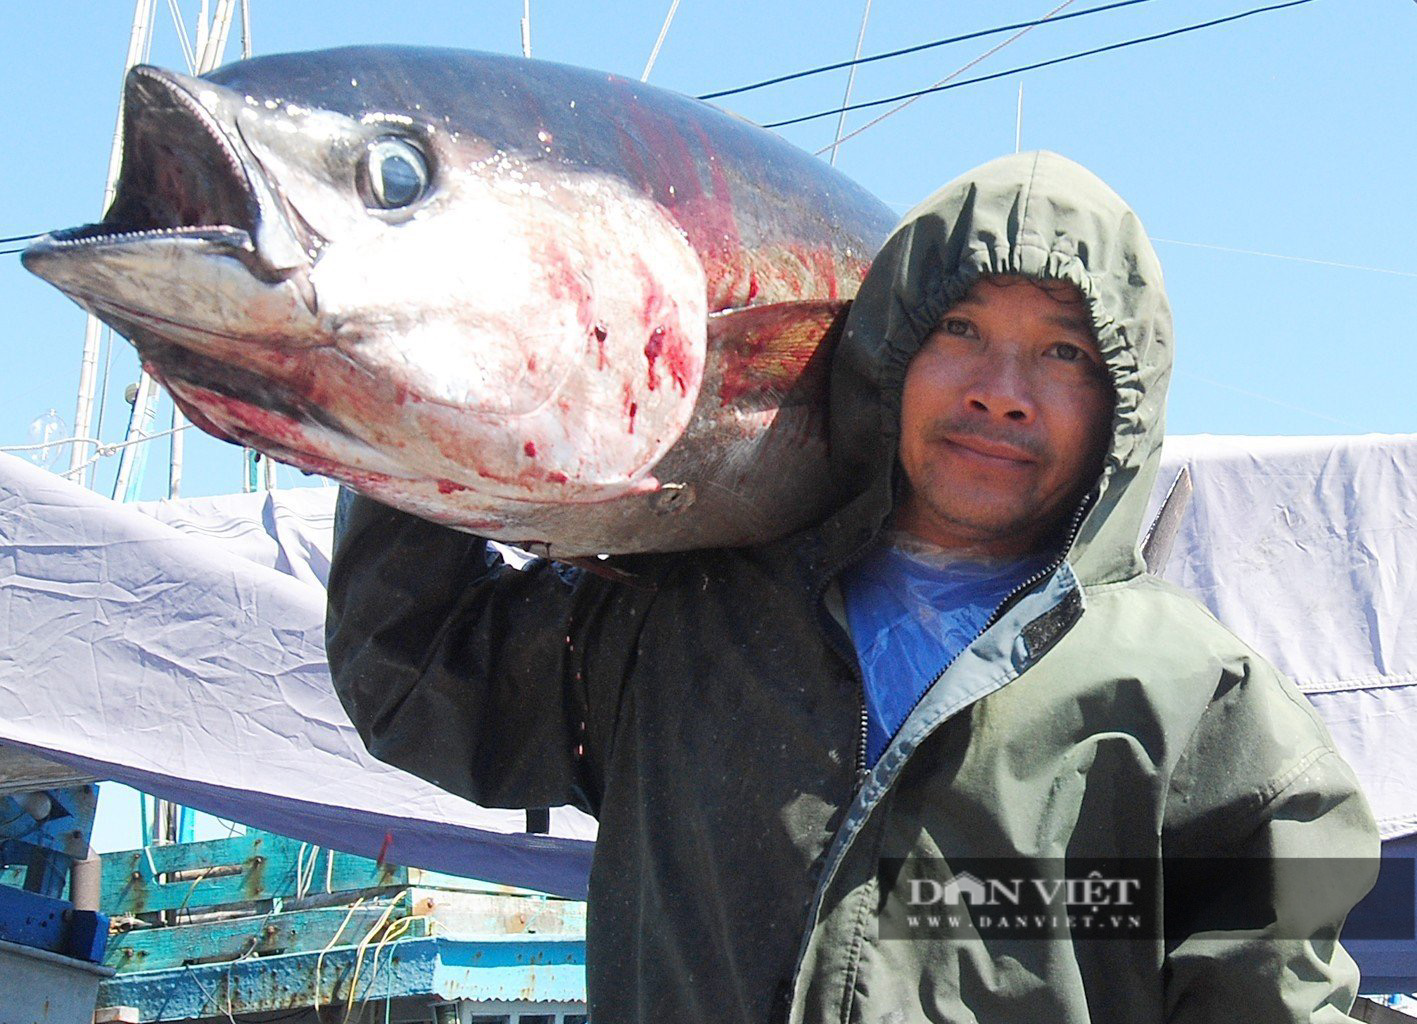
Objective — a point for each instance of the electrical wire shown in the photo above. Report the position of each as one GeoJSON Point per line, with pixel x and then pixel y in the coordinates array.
{"type": "Point", "coordinates": [859, 60]}
{"type": "Point", "coordinates": [363, 945]}
{"type": "Point", "coordinates": [1271, 400]}
{"type": "Point", "coordinates": [20, 238]}
{"type": "Point", "coordinates": [955, 73]}
{"type": "Point", "coordinates": [7, 252]}
{"type": "Point", "coordinates": [1041, 64]}
{"type": "Point", "coordinates": [1282, 256]}
{"type": "Point", "coordinates": [320, 960]}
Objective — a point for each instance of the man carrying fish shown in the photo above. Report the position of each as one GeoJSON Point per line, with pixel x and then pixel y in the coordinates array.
{"type": "Point", "coordinates": [966, 663]}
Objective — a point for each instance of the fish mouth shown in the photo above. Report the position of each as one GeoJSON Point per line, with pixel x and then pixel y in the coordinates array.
{"type": "Point", "coordinates": [181, 369]}
{"type": "Point", "coordinates": [248, 408]}
{"type": "Point", "coordinates": [185, 178]}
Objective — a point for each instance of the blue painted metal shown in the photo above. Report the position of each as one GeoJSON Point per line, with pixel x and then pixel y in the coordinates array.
{"type": "Point", "coordinates": [520, 968]}
{"type": "Point", "coordinates": [33, 920]}
{"type": "Point", "coordinates": [41, 834]}
{"type": "Point", "coordinates": [88, 935]}
{"type": "Point", "coordinates": [512, 969]}
{"type": "Point", "coordinates": [42, 922]}
{"type": "Point", "coordinates": [45, 832]}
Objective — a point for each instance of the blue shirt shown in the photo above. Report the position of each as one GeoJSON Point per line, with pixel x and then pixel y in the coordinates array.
{"type": "Point", "coordinates": [911, 612]}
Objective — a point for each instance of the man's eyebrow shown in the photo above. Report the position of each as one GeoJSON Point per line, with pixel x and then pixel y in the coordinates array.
{"type": "Point", "coordinates": [1075, 322]}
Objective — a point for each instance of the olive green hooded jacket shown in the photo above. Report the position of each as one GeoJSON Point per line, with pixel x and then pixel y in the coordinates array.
{"type": "Point", "coordinates": [711, 716]}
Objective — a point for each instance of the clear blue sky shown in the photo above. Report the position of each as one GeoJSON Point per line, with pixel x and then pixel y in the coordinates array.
{"type": "Point", "coordinates": [1291, 133]}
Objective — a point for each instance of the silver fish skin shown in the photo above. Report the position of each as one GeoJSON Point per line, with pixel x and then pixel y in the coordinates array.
{"type": "Point", "coordinates": [545, 304]}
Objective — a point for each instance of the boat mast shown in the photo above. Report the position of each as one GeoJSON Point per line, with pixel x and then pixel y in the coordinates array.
{"type": "Point", "coordinates": [213, 29]}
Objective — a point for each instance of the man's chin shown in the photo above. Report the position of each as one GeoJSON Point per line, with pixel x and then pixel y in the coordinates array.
{"type": "Point", "coordinates": [997, 529]}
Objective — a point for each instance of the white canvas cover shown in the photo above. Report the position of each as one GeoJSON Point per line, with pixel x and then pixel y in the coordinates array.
{"type": "Point", "coordinates": [1306, 547]}
{"type": "Point", "coordinates": [177, 646]}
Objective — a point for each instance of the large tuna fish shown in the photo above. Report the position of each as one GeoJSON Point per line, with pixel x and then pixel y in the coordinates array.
{"type": "Point", "coordinates": [538, 302]}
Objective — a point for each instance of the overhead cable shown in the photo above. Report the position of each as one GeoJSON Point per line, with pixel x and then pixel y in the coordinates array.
{"type": "Point", "coordinates": [1041, 64]}
{"type": "Point", "coordinates": [1292, 259]}
{"type": "Point", "coordinates": [951, 76]}
{"type": "Point", "coordinates": [916, 49]}
{"type": "Point", "coordinates": [20, 238]}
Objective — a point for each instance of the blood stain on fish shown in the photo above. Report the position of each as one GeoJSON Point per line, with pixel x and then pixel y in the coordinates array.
{"type": "Point", "coordinates": [654, 348]}
{"type": "Point", "coordinates": [630, 405]}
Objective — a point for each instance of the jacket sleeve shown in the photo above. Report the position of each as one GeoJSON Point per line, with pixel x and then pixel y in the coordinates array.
{"type": "Point", "coordinates": [501, 685]}
{"type": "Point", "coordinates": [1269, 845]}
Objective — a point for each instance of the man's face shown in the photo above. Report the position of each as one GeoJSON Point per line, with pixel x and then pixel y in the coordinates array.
{"type": "Point", "coordinates": [1005, 418]}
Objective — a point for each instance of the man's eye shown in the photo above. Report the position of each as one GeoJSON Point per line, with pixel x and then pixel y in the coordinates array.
{"type": "Point", "coordinates": [959, 328]}
{"type": "Point", "coordinates": [1069, 352]}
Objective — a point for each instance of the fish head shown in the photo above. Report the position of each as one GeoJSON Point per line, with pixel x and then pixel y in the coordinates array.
{"type": "Point", "coordinates": [359, 287]}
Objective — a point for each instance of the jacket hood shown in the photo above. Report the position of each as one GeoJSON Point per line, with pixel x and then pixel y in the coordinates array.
{"type": "Point", "coordinates": [1034, 215]}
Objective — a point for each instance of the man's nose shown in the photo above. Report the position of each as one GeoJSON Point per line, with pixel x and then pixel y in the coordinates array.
{"type": "Point", "coordinates": [1001, 389]}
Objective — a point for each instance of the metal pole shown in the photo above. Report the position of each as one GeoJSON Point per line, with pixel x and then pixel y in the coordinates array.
{"type": "Point", "coordinates": [250, 462]}
{"type": "Point", "coordinates": [526, 28]}
{"type": "Point", "coordinates": [663, 31]}
{"type": "Point", "coordinates": [204, 34]}
{"type": "Point", "coordinates": [174, 462]}
{"type": "Point", "coordinates": [245, 29]}
{"type": "Point", "coordinates": [1018, 122]}
{"type": "Point", "coordinates": [133, 458]}
{"type": "Point", "coordinates": [209, 56]}
{"type": "Point", "coordinates": [88, 366]}
{"type": "Point", "coordinates": [211, 36]}
{"type": "Point", "coordinates": [850, 80]}
{"type": "Point", "coordinates": [226, 10]}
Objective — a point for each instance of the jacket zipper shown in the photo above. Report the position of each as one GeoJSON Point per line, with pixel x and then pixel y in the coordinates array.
{"type": "Point", "coordinates": [852, 662]}
{"type": "Point", "coordinates": [855, 666]}
{"type": "Point", "coordinates": [998, 613]}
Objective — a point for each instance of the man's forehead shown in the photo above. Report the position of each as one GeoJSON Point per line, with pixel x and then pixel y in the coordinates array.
{"type": "Point", "coordinates": [1066, 308]}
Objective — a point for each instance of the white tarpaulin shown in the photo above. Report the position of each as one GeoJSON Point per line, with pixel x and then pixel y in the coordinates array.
{"type": "Point", "coordinates": [186, 658]}
{"type": "Point", "coordinates": [177, 646]}
{"type": "Point", "coordinates": [1306, 547]}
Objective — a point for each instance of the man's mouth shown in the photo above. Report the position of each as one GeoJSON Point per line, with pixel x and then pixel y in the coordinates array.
{"type": "Point", "coordinates": [989, 451]}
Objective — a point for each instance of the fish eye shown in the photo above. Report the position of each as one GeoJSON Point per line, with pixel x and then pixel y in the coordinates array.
{"type": "Point", "coordinates": [397, 174]}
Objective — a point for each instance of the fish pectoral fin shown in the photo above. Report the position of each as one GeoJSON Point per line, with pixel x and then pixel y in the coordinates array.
{"type": "Point", "coordinates": [774, 356]}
